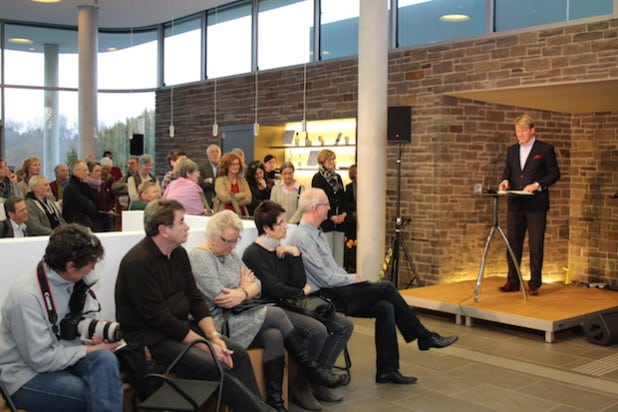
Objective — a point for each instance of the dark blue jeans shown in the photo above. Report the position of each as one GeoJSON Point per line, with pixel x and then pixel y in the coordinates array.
{"type": "Point", "coordinates": [93, 384]}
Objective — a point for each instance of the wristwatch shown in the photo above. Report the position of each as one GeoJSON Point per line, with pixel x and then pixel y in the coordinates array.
{"type": "Point", "coordinates": [246, 293]}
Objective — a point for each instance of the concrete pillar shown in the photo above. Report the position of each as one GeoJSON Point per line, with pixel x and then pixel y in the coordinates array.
{"type": "Point", "coordinates": [371, 142]}
{"type": "Point", "coordinates": [87, 45]}
{"type": "Point", "coordinates": [51, 139]}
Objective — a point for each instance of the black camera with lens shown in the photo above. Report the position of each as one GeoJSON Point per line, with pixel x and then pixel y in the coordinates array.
{"type": "Point", "coordinates": [75, 325]}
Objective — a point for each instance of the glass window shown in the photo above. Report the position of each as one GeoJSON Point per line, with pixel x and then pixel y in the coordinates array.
{"type": "Point", "coordinates": [127, 60]}
{"type": "Point", "coordinates": [228, 48]}
{"type": "Point", "coordinates": [120, 116]}
{"type": "Point", "coordinates": [339, 28]}
{"type": "Point", "coordinates": [31, 129]}
{"type": "Point", "coordinates": [26, 50]}
{"type": "Point", "coordinates": [526, 13]}
{"type": "Point", "coordinates": [182, 57]}
{"type": "Point", "coordinates": [285, 29]}
{"type": "Point", "coordinates": [424, 21]}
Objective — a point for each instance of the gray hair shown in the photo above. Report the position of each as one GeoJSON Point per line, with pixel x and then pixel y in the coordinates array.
{"type": "Point", "coordinates": [184, 167]}
{"type": "Point", "coordinates": [145, 159]}
{"type": "Point", "coordinates": [220, 221]}
{"type": "Point", "coordinates": [309, 198]}
{"type": "Point", "coordinates": [36, 180]}
{"type": "Point", "coordinates": [286, 165]}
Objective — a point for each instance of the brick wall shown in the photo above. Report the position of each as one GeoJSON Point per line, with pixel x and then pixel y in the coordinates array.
{"type": "Point", "coordinates": [455, 142]}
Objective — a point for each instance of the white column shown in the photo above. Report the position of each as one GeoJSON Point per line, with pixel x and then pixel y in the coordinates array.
{"type": "Point", "coordinates": [371, 142]}
{"type": "Point", "coordinates": [87, 44]}
{"type": "Point", "coordinates": [51, 139]}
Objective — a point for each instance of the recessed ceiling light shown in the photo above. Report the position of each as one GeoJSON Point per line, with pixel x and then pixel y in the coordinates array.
{"type": "Point", "coordinates": [111, 49]}
{"type": "Point", "coordinates": [46, 1]}
{"type": "Point", "coordinates": [20, 40]}
{"type": "Point", "coordinates": [455, 18]}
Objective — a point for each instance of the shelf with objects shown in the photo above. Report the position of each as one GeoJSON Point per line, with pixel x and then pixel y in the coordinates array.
{"type": "Point", "coordinates": [289, 143]}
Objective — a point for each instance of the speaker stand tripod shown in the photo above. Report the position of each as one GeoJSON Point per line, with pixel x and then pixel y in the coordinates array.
{"type": "Point", "coordinates": [392, 258]}
{"type": "Point", "coordinates": [496, 226]}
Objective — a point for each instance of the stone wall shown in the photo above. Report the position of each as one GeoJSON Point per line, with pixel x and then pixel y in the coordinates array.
{"type": "Point", "coordinates": [455, 142]}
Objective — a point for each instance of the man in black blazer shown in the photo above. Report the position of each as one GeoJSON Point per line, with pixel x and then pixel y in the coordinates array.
{"type": "Point", "coordinates": [531, 166]}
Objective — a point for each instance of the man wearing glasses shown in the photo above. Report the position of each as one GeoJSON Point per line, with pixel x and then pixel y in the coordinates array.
{"type": "Point", "coordinates": [155, 294]}
{"type": "Point", "coordinates": [358, 298]}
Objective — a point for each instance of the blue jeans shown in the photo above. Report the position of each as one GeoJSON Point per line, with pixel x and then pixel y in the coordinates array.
{"type": "Point", "coordinates": [93, 384]}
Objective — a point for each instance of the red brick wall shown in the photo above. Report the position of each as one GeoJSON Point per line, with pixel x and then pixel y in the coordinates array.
{"type": "Point", "coordinates": [455, 142]}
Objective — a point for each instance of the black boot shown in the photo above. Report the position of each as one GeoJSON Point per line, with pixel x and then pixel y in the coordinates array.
{"type": "Point", "coordinates": [273, 374]}
{"type": "Point", "coordinates": [317, 373]}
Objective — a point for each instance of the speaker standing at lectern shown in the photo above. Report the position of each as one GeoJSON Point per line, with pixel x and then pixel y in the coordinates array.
{"type": "Point", "coordinates": [531, 167]}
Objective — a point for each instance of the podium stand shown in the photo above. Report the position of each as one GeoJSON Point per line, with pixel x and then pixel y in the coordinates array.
{"type": "Point", "coordinates": [496, 227]}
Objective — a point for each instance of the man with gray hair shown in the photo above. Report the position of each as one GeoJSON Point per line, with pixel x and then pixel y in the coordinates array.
{"type": "Point", "coordinates": [43, 214]}
{"type": "Point", "coordinates": [358, 298]}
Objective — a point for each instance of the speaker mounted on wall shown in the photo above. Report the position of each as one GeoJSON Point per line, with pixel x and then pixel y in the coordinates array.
{"type": "Point", "coordinates": [136, 147]}
{"type": "Point", "coordinates": [399, 127]}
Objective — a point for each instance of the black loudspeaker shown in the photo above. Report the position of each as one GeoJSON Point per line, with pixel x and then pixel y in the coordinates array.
{"type": "Point", "coordinates": [602, 329]}
{"type": "Point", "coordinates": [399, 124]}
{"type": "Point", "coordinates": [137, 145]}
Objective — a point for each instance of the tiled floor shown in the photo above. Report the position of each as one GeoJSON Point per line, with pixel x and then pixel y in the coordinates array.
{"type": "Point", "coordinates": [491, 368]}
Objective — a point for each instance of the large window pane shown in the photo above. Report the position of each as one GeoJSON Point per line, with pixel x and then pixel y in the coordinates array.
{"type": "Point", "coordinates": [229, 41]}
{"type": "Point", "coordinates": [339, 28]}
{"type": "Point", "coordinates": [525, 13]}
{"type": "Point", "coordinates": [127, 60]}
{"type": "Point", "coordinates": [120, 116]}
{"type": "Point", "coordinates": [182, 57]}
{"type": "Point", "coordinates": [27, 50]}
{"type": "Point", "coordinates": [426, 21]}
{"type": "Point", "coordinates": [35, 130]}
{"type": "Point", "coordinates": [284, 32]}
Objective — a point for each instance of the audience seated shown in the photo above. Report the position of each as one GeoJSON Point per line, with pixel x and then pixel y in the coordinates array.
{"type": "Point", "coordinates": [16, 217]}
{"type": "Point", "coordinates": [100, 193]}
{"type": "Point", "coordinates": [31, 166]}
{"type": "Point", "coordinates": [209, 172]}
{"type": "Point", "coordinates": [43, 214]}
{"type": "Point", "coordinates": [231, 187]}
{"type": "Point", "coordinates": [282, 274]}
{"type": "Point", "coordinates": [260, 188]}
{"type": "Point", "coordinates": [173, 158]}
{"type": "Point", "coordinates": [8, 182]}
{"type": "Point", "coordinates": [226, 283]}
{"type": "Point", "coordinates": [186, 190]}
{"type": "Point", "coordinates": [159, 306]}
{"type": "Point", "coordinates": [287, 192]}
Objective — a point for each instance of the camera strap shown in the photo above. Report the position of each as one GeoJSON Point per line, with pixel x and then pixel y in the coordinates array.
{"type": "Point", "coordinates": [48, 299]}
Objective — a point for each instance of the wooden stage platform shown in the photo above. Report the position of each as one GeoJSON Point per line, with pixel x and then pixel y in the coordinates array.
{"type": "Point", "coordinates": [557, 307]}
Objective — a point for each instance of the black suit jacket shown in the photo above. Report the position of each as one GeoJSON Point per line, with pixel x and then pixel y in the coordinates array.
{"type": "Point", "coordinates": [541, 166]}
{"type": "Point", "coordinates": [6, 229]}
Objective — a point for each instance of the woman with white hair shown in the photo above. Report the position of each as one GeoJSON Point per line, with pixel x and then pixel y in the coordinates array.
{"type": "Point", "coordinates": [228, 285]}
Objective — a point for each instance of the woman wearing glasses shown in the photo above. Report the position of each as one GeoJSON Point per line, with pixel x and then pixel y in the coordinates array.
{"type": "Point", "coordinates": [232, 190]}
{"type": "Point", "coordinates": [226, 283]}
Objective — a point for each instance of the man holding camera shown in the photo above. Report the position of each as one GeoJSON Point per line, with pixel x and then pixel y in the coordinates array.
{"type": "Point", "coordinates": [49, 359]}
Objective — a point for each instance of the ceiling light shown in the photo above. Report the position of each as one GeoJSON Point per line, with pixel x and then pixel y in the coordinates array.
{"type": "Point", "coordinates": [111, 49]}
{"type": "Point", "coordinates": [46, 1]}
{"type": "Point", "coordinates": [455, 18]}
{"type": "Point", "coordinates": [20, 40]}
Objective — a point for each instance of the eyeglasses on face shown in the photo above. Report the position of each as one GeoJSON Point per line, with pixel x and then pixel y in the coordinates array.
{"type": "Point", "coordinates": [229, 241]}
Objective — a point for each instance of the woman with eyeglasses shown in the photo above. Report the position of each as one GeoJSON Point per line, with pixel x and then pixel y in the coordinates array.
{"type": "Point", "coordinates": [232, 190]}
{"type": "Point", "coordinates": [228, 286]}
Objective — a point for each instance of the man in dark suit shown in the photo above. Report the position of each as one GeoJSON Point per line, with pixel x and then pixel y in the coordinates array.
{"type": "Point", "coordinates": [16, 217]}
{"type": "Point", "coordinates": [531, 166]}
{"type": "Point", "coordinates": [209, 171]}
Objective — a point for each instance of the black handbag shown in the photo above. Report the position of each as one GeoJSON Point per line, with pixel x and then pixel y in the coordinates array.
{"type": "Point", "coordinates": [318, 307]}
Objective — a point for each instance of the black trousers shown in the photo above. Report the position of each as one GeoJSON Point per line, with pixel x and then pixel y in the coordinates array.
{"type": "Point", "coordinates": [240, 389]}
{"type": "Point", "coordinates": [517, 224]}
{"type": "Point", "coordinates": [382, 301]}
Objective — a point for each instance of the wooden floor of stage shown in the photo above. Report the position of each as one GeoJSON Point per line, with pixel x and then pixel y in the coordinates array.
{"type": "Point", "coordinates": [557, 307]}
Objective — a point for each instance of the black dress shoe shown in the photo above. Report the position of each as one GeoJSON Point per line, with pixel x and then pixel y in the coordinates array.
{"type": "Point", "coordinates": [532, 291]}
{"type": "Point", "coordinates": [509, 287]}
{"type": "Point", "coordinates": [394, 377]}
{"type": "Point", "coordinates": [433, 340]}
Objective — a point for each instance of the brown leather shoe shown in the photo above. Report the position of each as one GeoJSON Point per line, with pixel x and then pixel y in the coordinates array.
{"type": "Point", "coordinates": [532, 291]}
{"type": "Point", "coordinates": [509, 287]}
